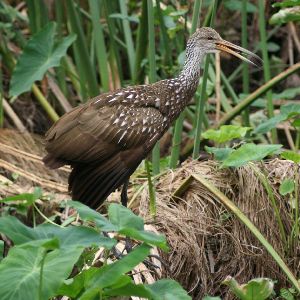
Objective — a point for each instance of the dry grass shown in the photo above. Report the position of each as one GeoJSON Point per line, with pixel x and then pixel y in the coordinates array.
{"type": "Point", "coordinates": [207, 243]}
{"type": "Point", "coordinates": [21, 154]}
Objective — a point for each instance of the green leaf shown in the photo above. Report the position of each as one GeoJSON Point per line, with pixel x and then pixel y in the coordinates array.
{"type": "Point", "coordinates": [73, 286]}
{"type": "Point", "coordinates": [296, 123]}
{"type": "Point", "coordinates": [164, 289]}
{"type": "Point", "coordinates": [20, 271]}
{"type": "Point", "coordinates": [285, 15]}
{"type": "Point", "coordinates": [133, 19]}
{"type": "Point", "coordinates": [123, 217]}
{"type": "Point", "coordinates": [123, 220]}
{"type": "Point", "coordinates": [110, 274]}
{"type": "Point", "coordinates": [291, 155]}
{"type": "Point", "coordinates": [167, 289]}
{"type": "Point", "coordinates": [286, 3]}
{"type": "Point", "coordinates": [1, 249]}
{"type": "Point", "coordinates": [249, 152]}
{"type": "Point", "coordinates": [269, 124]}
{"type": "Point", "coordinates": [288, 294]}
{"type": "Point", "coordinates": [260, 288]}
{"type": "Point", "coordinates": [236, 5]}
{"type": "Point", "coordinates": [219, 153]}
{"type": "Point", "coordinates": [127, 223]}
{"type": "Point", "coordinates": [290, 110]}
{"type": "Point", "coordinates": [289, 93]}
{"type": "Point", "coordinates": [16, 230]}
{"type": "Point", "coordinates": [29, 198]}
{"type": "Point", "coordinates": [286, 112]}
{"type": "Point", "coordinates": [72, 236]}
{"type": "Point", "coordinates": [211, 298]}
{"type": "Point", "coordinates": [88, 214]}
{"type": "Point", "coordinates": [287, 187]}
{"type": "Point", "coordinates": [225, 133]}
{"type": "Point", "coordinates": [148, 237]}
{"type": "Point", "coordinates": [39, 54]}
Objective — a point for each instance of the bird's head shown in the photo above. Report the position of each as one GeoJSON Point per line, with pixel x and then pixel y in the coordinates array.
{"type": "Point", "coordinates": [207, 40]}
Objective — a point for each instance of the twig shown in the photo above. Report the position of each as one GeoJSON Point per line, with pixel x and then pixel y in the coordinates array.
{"type": "Point", "coordinates": [290, 49]}
{"type": "Point", "coordinates": [42, 182]}
{"type": "Point", "coordinates": [218, 87]}
{"type": "Point", "coordinates": [59, 95]}
{"type": "Point", "coordinates": [44, 103]}
{"type": "Point", "coordinates": [289, 136]}
{"type": "Point", "coordinates": [26, 155]}
{"type": "Point", "coordinates": [13, 116]}
{"type": "Point", "coordinates": [294, 35]}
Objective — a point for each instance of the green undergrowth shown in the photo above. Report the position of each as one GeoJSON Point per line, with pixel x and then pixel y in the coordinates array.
{"type": "Point", "coordinates": [50, 260]}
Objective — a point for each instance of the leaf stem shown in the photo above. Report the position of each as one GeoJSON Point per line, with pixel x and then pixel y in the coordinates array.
{"type": "Point", "coordinates": [44, 103]}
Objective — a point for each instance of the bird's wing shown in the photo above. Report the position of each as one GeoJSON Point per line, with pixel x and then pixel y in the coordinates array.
{"type": "Point", "coordinates": [104, 146]}
{"type": "Point", "coordinates": [89, 134]}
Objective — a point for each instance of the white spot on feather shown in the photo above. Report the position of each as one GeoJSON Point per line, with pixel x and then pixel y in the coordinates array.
{"type": "Point", "coordinates": [113, 99]}
{"type": "Point", "coordinates": [122, 136]}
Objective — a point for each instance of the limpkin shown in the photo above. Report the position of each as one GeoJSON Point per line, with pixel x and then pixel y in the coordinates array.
{"type": "Point", "coordinates": [105, 139]}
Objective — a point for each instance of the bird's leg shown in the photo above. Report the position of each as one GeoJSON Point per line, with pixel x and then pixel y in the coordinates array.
{"type": "Point", "coordinates": [124, 196]}
{"type": "Point", "coordinates": [124, 200]}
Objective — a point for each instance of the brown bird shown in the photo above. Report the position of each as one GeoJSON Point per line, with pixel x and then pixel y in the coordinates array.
{"type": "Point", "coordinates": [105, 139]}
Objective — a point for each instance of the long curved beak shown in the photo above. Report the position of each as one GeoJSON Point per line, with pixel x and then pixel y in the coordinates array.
{"type": "Point", "coordinates": [239, 52]}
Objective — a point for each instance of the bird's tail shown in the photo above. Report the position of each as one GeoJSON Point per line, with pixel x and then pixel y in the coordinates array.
{"type": "Point", "coordinates": [92, 183]}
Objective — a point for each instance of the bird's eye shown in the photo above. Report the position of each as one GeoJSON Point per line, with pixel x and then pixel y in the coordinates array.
{"type": "Point", "coordinates": [210, 38]}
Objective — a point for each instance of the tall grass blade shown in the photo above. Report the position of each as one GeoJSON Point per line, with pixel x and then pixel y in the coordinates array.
{"type": "Point", "coordinates": [246, 120]}
{"type": "Point", "coordinates": [176, 141]}
{"type": "Point", "coordinates": [60, 71]}
{"type": "Point", "coordinates": [152, 76]}
{"type": "Point", "coordinates": [175, 150]}
{"type": "Point", "coordinates": [83, 62]}
{"type": "Point", "coordinates": [101, 54]}
{"type": "Point", "coordinates": [196, 15]}
{"type": "Point", "coordinates": [202, 101]}
{"type": "Point", "coordinates": [152, 197]}
{"type": "Point", "coordinates": [114, 49]}
{"type": "Point", "coordinates": [38, 14]}
{"type": "Point", "coordinates": [200, 111]}
{"type": "Point", "coordinates": [264, 180]}
{"type": "Point", "coordinates": [1, 96]}
{"type": "Point", "coordinates": [266, 65]}
{"type": "Point", "coordinates": [165, 41]}
{"type": "Point", "coordinates": [128, 37]}
{"type": "Point", "coordinates": [141, 45]}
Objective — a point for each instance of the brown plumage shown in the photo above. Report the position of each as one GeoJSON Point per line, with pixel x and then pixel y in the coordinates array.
{"type": "Point", "coordinates": [105, 139]}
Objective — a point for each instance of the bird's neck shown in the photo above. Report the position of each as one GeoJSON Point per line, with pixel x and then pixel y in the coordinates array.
{"type": "Point", "coordinates": [190, 74]}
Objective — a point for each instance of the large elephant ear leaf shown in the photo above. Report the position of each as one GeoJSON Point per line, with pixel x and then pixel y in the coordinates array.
{"type": "Point", "coordinates": [39, 54]}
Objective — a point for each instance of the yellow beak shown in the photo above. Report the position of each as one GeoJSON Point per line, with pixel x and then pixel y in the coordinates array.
{"type": "Point", "coordinates": [239, 52]}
